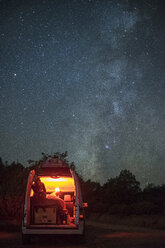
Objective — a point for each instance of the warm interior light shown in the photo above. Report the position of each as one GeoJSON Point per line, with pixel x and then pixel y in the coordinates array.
{"type": "Point", "coordinates": [57, 189]}
{"type": "Point", "coordinates": [31, 193]}
{"type": "Point", "coordinates": [64, 184]}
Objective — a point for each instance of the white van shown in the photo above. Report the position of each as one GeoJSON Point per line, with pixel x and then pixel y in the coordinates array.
{"type": "Point", "coordinates": [61, 211]}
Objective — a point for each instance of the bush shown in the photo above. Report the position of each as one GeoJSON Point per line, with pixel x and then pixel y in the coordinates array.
{"type": "Point", "coordinates": [99, 207]}
{"type": "Point", "coordinates": [120, 209]}
{"type": "Point", "coordinates": [12, 190]}
{"type": "Point", "coordinates": [11, 207]}
{"type": "Point", "coordinates": [144, 207]}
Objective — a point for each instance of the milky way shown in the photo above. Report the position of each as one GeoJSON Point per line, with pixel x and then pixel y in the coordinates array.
{"type": "Point", "coordinates": [85, 77]}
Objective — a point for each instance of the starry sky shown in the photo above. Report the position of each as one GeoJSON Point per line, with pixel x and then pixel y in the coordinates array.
{"type": "Point", "coordinates": [87, 77]}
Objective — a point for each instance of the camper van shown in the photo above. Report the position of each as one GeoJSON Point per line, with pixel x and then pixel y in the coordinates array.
{"type": "Point", "coordinates": [53, 202]}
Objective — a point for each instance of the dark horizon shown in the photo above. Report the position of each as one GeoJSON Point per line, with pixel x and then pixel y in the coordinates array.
{"type": "Point", "coordinates": [35, 163]}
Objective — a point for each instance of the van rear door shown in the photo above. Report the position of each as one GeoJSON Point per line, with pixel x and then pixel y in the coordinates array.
{"type": "Point", "coordinates": [26, 221]}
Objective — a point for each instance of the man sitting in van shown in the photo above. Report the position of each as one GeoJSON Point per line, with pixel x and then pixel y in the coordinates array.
{"type": "Point", "coordinates": [39, 190]}
{"type": "Point", "coordinates": [62, 212]}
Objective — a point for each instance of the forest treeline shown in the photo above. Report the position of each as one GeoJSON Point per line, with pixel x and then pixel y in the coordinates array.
{"type": "Point", "coordinates": [121, 195]}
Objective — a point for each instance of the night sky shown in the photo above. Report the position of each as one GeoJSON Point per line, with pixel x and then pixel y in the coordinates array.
{"type": "Point", "coordinates": [87, 77]}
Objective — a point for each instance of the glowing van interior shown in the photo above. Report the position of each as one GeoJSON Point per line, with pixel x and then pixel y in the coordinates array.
{"type": "Point", "coordinates": [59, 190]}
{"type": "Point", "coordinates": [63, 184]}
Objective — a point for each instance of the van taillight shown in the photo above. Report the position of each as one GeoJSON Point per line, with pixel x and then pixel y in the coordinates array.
{"type": "Point", "coordinates": [81, 215]}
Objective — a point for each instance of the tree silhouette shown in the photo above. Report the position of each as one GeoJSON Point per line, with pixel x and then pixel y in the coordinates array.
{"type": "Point", "coordinates": [122, 189]}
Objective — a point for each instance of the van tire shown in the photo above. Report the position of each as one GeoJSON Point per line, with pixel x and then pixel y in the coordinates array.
{"type": "Point", "coordinates": [26, 239]}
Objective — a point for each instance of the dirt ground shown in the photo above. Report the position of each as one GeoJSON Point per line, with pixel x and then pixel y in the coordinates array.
{"type": "Point", "coordinates": [97, 236]}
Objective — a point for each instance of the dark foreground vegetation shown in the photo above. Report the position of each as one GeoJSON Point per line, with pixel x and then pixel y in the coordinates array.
{"type": "Point", "coordinates": [120, 196]}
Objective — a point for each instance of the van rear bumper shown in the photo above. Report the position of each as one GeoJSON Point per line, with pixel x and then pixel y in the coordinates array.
{"type": "Point", "coordinates": [32, 230]}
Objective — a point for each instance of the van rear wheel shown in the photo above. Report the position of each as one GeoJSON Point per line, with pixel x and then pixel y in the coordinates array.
{"type": "Point", "coordinates": [26, 239]}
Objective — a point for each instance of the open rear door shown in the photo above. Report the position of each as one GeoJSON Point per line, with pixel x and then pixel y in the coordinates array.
{"type": "Point", "coordinates": [78, 200]}
{"type": "Point", "coordinates": [27, 198]}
